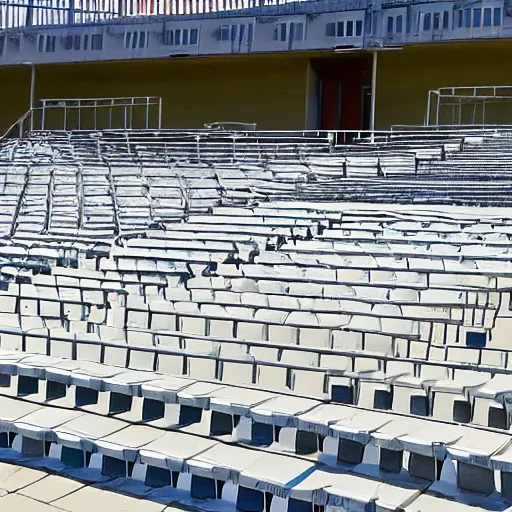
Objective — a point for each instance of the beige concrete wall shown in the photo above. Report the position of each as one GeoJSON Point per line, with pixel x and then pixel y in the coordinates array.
{"type": "Point", "coordinates": [271, 90]}
{"type": "Point", "coordinates": [405, 77]}
{"type": "Point", "coordinates": [268, 90]}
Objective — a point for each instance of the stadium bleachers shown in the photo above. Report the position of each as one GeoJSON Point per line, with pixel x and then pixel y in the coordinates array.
{"type": "Point", "coordinates": [277, 323]}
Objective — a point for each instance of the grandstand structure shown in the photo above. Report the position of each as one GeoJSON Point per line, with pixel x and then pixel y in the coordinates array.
{"type": "Point", "coordinates": [280, 64]}
{"type": "Point", "coordinates": [267, 322]}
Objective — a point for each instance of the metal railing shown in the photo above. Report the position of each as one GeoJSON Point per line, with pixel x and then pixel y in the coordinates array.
{"type": "Point", "coordinates": [137, 119]}
{"type": "Point", "coordinates": [90, 114]}
{"type": "Point", "coordinates": [231, 126]}
{"type": "Point", "coordinates": [465, 106]}
{"type": "Point", "coordinates": [27, 13]}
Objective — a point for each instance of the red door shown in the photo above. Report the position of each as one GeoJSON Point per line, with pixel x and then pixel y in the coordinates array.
{"type": "Point", "coordinates": [343, 80]}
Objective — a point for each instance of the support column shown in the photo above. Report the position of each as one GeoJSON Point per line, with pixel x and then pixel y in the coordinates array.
{"type": "Point", "coordinates": [32, 86]}
{"type": "Point", "coordinates": [32, 93]}
{"type": "Point", "coordinates": [374, 93]}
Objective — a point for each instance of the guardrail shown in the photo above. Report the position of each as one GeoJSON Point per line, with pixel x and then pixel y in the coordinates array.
{"type": "Point", "coordinates": [465, 102]}
{"type": "Point", "coordinates": [37, 13]}
{"type": "Point", "coordinates": [137, 118]}
{"type": "Point", "coordinates": [90, 114]}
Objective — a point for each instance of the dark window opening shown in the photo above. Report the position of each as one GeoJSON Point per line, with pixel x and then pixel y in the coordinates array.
{"type": "Point", "coordinates": [477, 18]}
{"type": "Point", "coordinates": [487, 17]}
{"type": "Point", "coordinates": [399, 24]}
{"type": "Point", "coordinates": [390, 25]}
{"type": "Point", "coordinates": [97, 42]}
{"type": "Point", "coordinates": [224, 33]}
{"type": "Point", "coordinates": [340, 29]}
{"type": "Point", "coordinates": [437, 20]}
{"type": "Point", "coordinates": [298, 31]}
{"type": "Point", "coordinates": [282, 32]}
{"type": "Point", "coordinates": [5, 380]}
{"type": "Point", "coordinates": [350, 28]}
{"type": "Point", "coordinates": [467, 18]}
{"type": "Point", "coordinates": [497, 23]}
{"type": "Point", "coordinates": [142, 39]}
{"type": "Point", "coordinates": [459, 19]}
{"type": "Point", "coordinates": [427, 21]}
{"type": "Point", "coordinates": [50, 44]}
{"type": "Point", "coordinates": [446, 20]}
{"type": "Point", "coordinates": [359, 28]}
{"type": "Point", "coordinates": [330, 29]}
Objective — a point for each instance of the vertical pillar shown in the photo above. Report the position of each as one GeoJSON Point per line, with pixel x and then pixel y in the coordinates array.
{"type": "Point", "coordinates": [32, 95]}
{"type": "Point", "coordinates": [427, 116]}
{"type": "Point", "coordinates": [374, 94]}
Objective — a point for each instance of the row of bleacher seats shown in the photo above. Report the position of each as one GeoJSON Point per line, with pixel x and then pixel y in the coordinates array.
{"type": "Point", "coordinates": [360, 442]}
{"type": "Point", "coordinates": [163, 322]}
{"type": "Point", "coordinates": [446, 394]}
